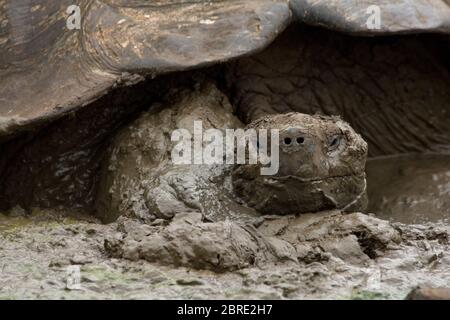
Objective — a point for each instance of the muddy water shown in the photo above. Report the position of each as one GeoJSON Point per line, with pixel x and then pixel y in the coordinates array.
{"type": "Point", "coordinates": [410, 188]}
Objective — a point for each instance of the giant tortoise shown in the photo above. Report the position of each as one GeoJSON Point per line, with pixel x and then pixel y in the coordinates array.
{"type": "Point", "coordinates": [64, 91]}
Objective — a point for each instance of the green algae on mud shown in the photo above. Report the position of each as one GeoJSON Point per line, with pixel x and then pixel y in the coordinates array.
{"type": "Point", "coordinates": [17, 218]}
{"type": "Point", "coordinates": [369, 295]}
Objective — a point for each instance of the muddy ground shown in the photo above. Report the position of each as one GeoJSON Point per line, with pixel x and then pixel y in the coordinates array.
{"type": "Point", "coordinates": [35, 253]}
{"type": "Point", "coordinates": [336, 256]}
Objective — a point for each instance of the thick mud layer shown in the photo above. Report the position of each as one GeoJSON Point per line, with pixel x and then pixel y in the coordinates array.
{"type": "Point", "coordinates": [140, 177]}
{"type": "Point", "coordinates": [314, 256]}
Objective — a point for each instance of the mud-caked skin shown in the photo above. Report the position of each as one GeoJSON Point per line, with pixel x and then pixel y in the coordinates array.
{"type": "Point", "coordinates": [139, 178]}
{"type": "Point", "coordinates": [321, 167]}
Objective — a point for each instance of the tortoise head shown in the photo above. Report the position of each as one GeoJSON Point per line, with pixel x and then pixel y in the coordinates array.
{"type": "Point", "coordinates": [321, 167]}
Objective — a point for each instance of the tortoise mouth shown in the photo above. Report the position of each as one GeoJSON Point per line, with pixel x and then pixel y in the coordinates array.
{"type": "Point", "coordinates": [317, 179]}
{"type": "Point", "coordinates": [293, 195]}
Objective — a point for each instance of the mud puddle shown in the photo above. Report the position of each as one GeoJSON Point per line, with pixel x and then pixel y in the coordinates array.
{"type": "Point", "coordinates": [411, 189]}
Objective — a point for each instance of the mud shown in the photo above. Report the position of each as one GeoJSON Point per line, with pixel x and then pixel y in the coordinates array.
{"type": "Point", "coordinates": [139, 177]}
{"type": "Point", "coordinates": [58, 164]}
{"type": "Point", "coordinates": [228, 246]}
{"type": "Point", "coordinates": [310, 256]}
{"type": "Point", "coordinates": [319, 255]}
{"type": "Point", "coordinates": [166, 255]}
{"type": "Point", "coordinates": [321, 167]}
{"type": "Point", "coordinates": [410, 188]}
{"type": "Point", "coordinates": [315, 256]}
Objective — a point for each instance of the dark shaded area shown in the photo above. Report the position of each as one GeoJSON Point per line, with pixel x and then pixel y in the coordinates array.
{"type": "Point", "coordinates": [395, 91]}
{"type": "Point", "coordinates": [412, 189]}
{"type": "Point", "coordinates": [58, 164]}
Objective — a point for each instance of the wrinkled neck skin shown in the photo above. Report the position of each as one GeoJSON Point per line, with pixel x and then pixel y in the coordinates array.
{"type": "Point", "coordinates": [321, 167]}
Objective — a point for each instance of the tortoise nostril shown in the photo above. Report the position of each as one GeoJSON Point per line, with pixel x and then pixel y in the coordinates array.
{"type": "Point", "coordinates": [287, 141]}
{"type": "Point", "coordinates": [300, 140]}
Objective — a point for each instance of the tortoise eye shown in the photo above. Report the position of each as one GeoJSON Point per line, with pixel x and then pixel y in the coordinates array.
{"type": "Point", "coordinates": [335, 141]}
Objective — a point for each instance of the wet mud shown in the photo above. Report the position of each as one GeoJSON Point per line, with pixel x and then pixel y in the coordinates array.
{"type": "Point", "coordinates": [312, 256]}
